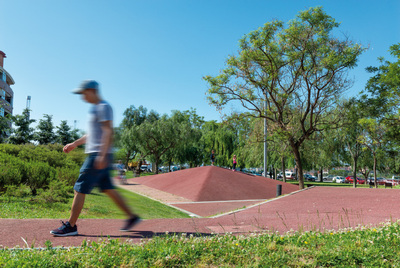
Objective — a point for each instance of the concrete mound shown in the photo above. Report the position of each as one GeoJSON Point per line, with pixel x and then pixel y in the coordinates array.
{"type": "Point", "coordinates": [212, 183]}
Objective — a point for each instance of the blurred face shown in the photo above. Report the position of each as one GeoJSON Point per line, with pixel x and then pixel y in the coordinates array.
{"type": "Point", "coordinates": [89, 95]}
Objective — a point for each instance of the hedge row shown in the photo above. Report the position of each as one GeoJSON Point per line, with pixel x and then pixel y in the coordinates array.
{"type": "Point", "coordinates": [37, 166]}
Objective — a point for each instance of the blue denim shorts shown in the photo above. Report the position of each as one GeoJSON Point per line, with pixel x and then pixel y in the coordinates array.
{"type": "Point", "coordinates": [90, 177]}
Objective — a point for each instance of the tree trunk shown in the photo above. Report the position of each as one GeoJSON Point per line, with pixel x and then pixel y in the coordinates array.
{"type": "Point", "coordinates": [375, 182]}
{"type": "Point", "coordinates": [283, 169]}
{"type": "Point", "coordinates": [157, 160]}
{"type": "Point", "coordinates": [299, 166]}
{"type": "Point", "coordinates": [169, 166]}
{"type": "Point", "coordinates": [355, 172]}
{"type": "Point", "coordinates": [321, 174]}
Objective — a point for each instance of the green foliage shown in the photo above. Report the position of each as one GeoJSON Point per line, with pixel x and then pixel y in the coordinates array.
{"type": "Point", "coordinates": [360, 247]}
{"type": "Point", "coordinates": [38, 175]}
{"type": "Point", "coordinates": [58, 191]}
{"type": "Point", "coordinates": [45, 131]}
{"type": "Point", "coordinates": [5, 127]}
{"type": "Point", "coordinates": [68, 174]}
{"type": "Point", "coordinates": [293, 76]}
{"type": "Point", "coordinates": [23, 133]}
{"type": "Point", "coordinates": [11, 172]}
{"type": "Point", "coordinates": [64, 133]}
{"type": "Point", "coordinates": [220, 138]}
{"type": "Point", "coordinates": [17, 191]}
{"type": "Point", "coordinates": [37, 166]}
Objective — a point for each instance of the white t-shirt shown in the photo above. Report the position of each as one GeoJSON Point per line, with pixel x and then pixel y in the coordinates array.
{"type": "Point", "coordinates": [98, 113]}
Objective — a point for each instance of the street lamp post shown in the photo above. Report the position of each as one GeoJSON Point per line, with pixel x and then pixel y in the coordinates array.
{"type": "Point", "coordinates": [265, 138]}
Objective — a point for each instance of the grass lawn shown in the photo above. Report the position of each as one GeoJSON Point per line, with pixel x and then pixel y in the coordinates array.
{"type": "Point", "coordinates": [97, 205]}
{"type": "Point", "coordinates": [334, 184]}
{"type": "Point", "coordinates": [362, 247]}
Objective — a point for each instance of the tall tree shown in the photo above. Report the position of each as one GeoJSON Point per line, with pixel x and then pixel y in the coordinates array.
{"type": "Point", "coordinates": [64, 133]}
{"type": "Point", "coordinates": [373, 138]}
{"type": "Point", "coordinates": [350, 135]}
{"type": "Point", "coordinates": [126, 134]}
{"type": "Point", "coordinates": [155, 138]}
{"type": "Point", "coordinates": [23, 133]}
{"type": "Point", "coordinates": [5, 128]}
{"type": "Point", "coordinates": [299, 72]}
{"type": "Point", "coordinates": [45, 130]}
{"type": "Point", "coordinates": [382, 92]}
{"type": "Point", "coordinates": [188, 149]}
{"type": "Point", "coordinates": [381, 100]}
{"type": "Point", "coordinates": [220, 138]}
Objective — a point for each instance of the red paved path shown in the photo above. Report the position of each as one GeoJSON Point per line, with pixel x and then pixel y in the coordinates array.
{"type": "Point", "coordinates": [215, 184]}
{"type": "Point", "coordinates": [318, 208]}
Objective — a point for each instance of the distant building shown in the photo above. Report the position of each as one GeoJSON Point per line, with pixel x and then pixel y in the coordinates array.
{"type": "Point", "coordinates": [6, 93]}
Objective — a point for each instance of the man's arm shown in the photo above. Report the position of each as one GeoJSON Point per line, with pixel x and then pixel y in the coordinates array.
{"type": "Point", "coordinates": [70, 146]}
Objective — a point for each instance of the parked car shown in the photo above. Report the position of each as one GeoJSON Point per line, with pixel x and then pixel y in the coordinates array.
{"type": "Point", "coordinates": [309, 177]}
{"type": "Point", "coordinates": [349, 179]}
{"type": "Point", "coordinates": [379, 181]}
{"type": "Point", "coordinates": [290, 175]}
{"type": "Point", "coordinates": [339, 179]}
{"type": "Point", "coordinates": [328, 178]}
{"type": "Point", "coordinates": [145, 168]}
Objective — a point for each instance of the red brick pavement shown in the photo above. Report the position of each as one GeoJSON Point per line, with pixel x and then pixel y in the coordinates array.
{"type": "Point", "coordinates": [317, 208]}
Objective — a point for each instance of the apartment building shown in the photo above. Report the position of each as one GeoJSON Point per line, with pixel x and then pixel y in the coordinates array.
{"type": "Point", "coordinates": [6, 93]}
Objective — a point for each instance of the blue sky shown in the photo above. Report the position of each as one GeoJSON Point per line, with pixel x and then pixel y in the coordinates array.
{"type": "Point", "coordinates": [155, 53]}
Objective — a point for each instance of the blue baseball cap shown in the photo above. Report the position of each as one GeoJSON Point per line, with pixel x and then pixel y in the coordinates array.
{"type": "Point", "coordinates": [86, 84]}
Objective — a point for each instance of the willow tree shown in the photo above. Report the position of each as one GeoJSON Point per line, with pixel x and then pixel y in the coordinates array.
{"type": "Point", "coordinates": [292, 75]}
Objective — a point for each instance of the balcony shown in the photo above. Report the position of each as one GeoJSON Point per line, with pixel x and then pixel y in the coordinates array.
{"type": "Point", "coordinates": [6, 88]}
{"type": "Point", "coordinates": [9, 79]}
{"type": "Point", "coordinates": [6, 105]}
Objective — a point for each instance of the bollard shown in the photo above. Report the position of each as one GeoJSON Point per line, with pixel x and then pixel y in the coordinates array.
{"type": "Point", "coordinates": [278, 190]}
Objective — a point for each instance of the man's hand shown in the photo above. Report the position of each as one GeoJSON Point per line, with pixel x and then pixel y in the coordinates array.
{"type": "Point", "coordinates": [100, 162]}
{"type": "Point", "coordinates": [69, 147]}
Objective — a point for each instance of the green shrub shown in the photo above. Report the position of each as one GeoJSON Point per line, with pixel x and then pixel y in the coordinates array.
{"type": "Point", "coordinates": [42, 154]}
{"type": "Point", "coordinates": [68, 174]}
{"type": "Point", "coordinates": [38, 175]}
{"type": "Point", "coordinates": [54, 147]}
{"type": "Point", "coordinates": [10, 149]}
{"type": "Point", "coordinates": [17, 190]}
{"type": "Point", "coordinates": [37, 166]}
{"type": "Point", "coordinates": [77, 156]}
{"type": "Point", "coordinates": [58, 191]}
{"type": "Point", "coordinates": [10, 171]}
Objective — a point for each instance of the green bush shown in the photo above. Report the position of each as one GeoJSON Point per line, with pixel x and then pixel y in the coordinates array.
{"type": "Point", "coordinates": [42, 154]}
{"type": "Point", "coordinates": [58, 191]}
{"type": "Point", "coordinates": [77, 156]}
{"type": "Point", "coordinates": [10, 171]}
{"type": "Point", "coordinates": [45, 169]}
{"type": "Point", "coordinates": [38, 175]}
{"type": "Point", "coordinates": [10, 149]}
{"type": "Point", "coordinates": [68, 174]}
{"type": "Point", "coordinates": [17, 190]}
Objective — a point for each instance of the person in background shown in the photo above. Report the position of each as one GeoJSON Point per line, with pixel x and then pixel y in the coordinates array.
{"type": "Point", "coordinates": [121, 172]}
{"type": "Point", "coordinates": [234, 162]}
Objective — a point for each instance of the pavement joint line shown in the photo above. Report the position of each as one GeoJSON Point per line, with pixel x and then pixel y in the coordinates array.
{"type": "Point", "coordinates": [221, 201]}
{"type": "Point", "coordinates": [259, 204]}
{"type": "Point", "coordinates": [191, 214]}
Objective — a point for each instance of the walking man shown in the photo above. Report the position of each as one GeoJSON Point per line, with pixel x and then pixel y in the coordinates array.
{"type": "Point", "coordinates": [95, 171]}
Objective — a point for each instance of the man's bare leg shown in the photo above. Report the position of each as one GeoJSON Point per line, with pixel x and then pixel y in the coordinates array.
{"type": "Point", "coordinates": [77, 206]}
{"type": "Point", "coordinates": [119, 201]}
